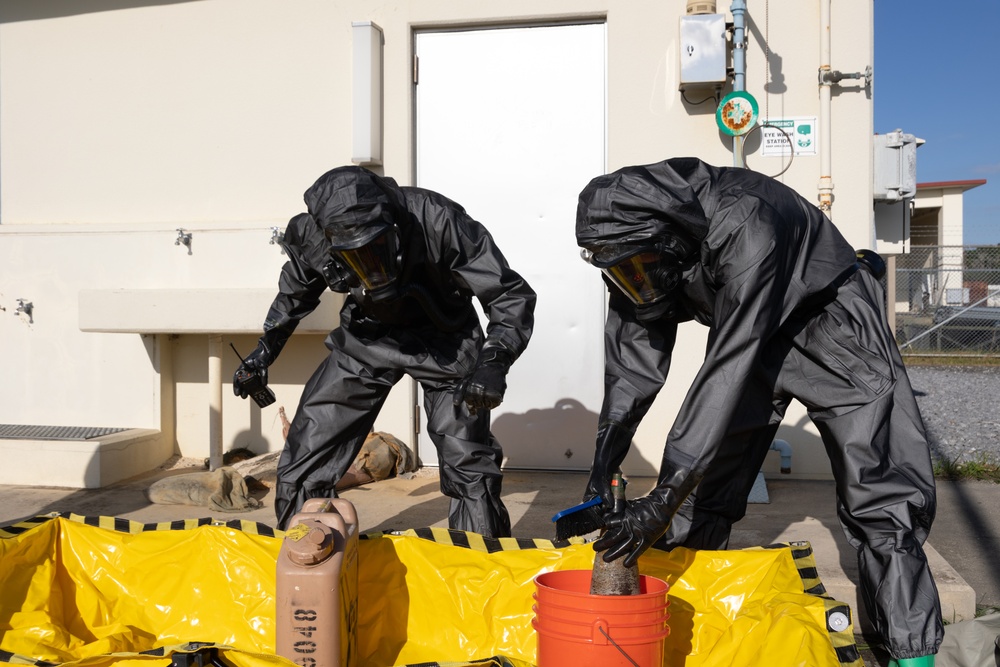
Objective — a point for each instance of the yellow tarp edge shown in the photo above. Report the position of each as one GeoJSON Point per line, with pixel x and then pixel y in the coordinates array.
{"type": "Point", "coordinates": [426, 595]}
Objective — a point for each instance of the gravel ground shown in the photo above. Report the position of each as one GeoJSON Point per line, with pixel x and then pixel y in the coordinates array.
{"type": "Point", "coordinates": [961, 410]}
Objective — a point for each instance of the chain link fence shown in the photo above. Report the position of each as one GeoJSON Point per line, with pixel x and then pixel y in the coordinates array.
{"type": "Point", "coordinates": [947, 300]}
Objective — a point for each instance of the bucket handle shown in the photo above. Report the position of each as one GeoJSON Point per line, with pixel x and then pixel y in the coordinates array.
{"type": "Point", "coordinates": [601, 626]}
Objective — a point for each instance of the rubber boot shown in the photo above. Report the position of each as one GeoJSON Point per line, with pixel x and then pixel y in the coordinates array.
{"type": "Point", "coordinates": [922, 661]}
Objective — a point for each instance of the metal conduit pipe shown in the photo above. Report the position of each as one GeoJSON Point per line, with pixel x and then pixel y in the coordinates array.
{"type": "Point", "coordinates": [785, 451]}
{"type": "Point", "coordinates": [825, 83]}
{"type": "Point", "coordinates": [738, 9]}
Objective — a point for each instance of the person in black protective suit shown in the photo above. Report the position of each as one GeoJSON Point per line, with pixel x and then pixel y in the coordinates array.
{"type": "Point", "coordinates": [793, 312]}
{"type": "Point", "coordinates": [410, 261]}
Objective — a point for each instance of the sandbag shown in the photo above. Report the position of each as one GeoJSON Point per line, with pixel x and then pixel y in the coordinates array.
{"type": "Point", "coordinates": [220, 490]}
{"type": "Point", "coordinates": [971, 643]}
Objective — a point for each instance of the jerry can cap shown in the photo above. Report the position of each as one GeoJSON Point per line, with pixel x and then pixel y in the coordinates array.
{"type": "Point", "coordinates": [309, 542]}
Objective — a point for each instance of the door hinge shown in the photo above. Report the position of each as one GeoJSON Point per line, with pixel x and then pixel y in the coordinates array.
{"type": "Point", "coordinates": [416, 69]}
{"type": "Point", "coordinates": [416, 419]}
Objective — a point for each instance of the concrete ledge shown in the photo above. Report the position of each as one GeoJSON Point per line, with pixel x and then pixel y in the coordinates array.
{"type": "Point", "coordinates": [83, 464]}
{"type": "Point", "coordinates": [958, 599]}
{"type": "Point", "coordinates": [837, 566]}
{"type": "Point", "coordinates": [193, 311]}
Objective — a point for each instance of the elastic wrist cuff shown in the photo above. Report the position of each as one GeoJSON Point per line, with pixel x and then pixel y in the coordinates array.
{"type": "Point", "coordinates": [496, 354]}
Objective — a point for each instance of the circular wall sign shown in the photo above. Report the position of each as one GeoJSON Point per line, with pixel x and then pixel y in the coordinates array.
{"type": "Point", "coordinates": [737, 113]}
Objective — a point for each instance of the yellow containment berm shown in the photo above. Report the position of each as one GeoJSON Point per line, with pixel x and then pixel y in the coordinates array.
{"type": "Point", "coordinates": [108, 592]}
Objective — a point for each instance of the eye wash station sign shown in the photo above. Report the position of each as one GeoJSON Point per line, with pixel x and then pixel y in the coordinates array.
{"type": "Point", "coordinates": [785, 136]}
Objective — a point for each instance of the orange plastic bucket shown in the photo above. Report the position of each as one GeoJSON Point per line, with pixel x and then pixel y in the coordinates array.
{"type": "Point", "coordinates": [576, 628]}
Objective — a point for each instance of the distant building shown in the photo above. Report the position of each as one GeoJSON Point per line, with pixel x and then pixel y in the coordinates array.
{"type": "Point", "coordinates": [932, 275]}
{"type": "Point", "coordinates": [938, 212]}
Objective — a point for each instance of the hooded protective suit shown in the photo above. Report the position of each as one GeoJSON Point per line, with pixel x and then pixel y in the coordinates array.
{"type": "Point", "coordinates": [790, 316]}
{"type": "Point", "coordinates": [411, 261]}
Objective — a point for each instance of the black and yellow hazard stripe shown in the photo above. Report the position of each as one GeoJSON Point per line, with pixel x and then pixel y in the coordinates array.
{"type": "Point", "coordinates": [838, 614]}
{"type": "Point", "coordinates": [15, 659]}
{"type": "Point", "coordinates": [120, 525]}
{"type": "Point", "coordinates": [805, 563]}
{"type": "Point", "coordinates": [25, 525]}
{"type": "Point", "coordinates": [475, 541]}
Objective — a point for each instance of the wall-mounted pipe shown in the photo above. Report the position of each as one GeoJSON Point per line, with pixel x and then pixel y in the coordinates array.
{"type": "Point", "coordinates": [785, 451]}
{"type": "Point", "coordinates": [739, 9]}
{"type": "Point", "coordinates": [825, 96]}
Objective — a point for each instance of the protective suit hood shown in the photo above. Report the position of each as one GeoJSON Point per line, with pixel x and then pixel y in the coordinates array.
{"type": "Point", "coordinates": [649, 203]}
{"type": "Point", "coordinates": [353, 205]}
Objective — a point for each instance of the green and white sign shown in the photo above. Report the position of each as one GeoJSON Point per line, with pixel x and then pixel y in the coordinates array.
{"type": "Point", "coordinates": [785, 136]}
{"type": "Point", "coordinates": [736, 113]}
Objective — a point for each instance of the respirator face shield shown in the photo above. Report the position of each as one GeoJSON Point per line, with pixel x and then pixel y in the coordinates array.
{"type": "Point", "coordinates": [375, 263]}
{"type": "Point", "coordinates": [635, 270]}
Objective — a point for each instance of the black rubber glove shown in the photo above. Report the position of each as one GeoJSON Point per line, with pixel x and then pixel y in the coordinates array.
{"type": "Point", "coordinates": [484, 387]}
{"type": "Point", "coordinates": [256, 363]}
{"type": "Point", "coordinates": [613, 442]}
{"type": "Point", "coordinates": [644, 520]}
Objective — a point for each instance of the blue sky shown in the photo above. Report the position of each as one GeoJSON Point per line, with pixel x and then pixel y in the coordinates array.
{"type": "Point", "coordinates": [935, 76]}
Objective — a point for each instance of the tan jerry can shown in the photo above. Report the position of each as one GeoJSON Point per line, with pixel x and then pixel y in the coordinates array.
{"type": "Point", "coordinates": [316, 597]}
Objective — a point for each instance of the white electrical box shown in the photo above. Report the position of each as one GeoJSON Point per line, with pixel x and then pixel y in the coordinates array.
{"type": "Point", "coordinates": [703, 51]}
{"type": "Point", "coordinates": [892, 227]}
{"type": "Point", "coordinates": [895, 166]}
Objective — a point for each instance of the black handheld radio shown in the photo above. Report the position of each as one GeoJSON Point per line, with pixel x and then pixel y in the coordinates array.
{"type": "Point", "coordinates": [253, 384]}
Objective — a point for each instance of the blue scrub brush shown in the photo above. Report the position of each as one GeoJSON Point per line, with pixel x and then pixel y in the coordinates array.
{"type": "Point", "coordinates": [579, 520]}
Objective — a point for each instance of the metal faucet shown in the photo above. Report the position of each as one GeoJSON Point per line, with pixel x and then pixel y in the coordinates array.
{"type": "Point", "coordinates": [277, 237]}
{"type": "Point", "coordinates": [184, 239]}
{"type": "Point", "coordinates": [24, 306]}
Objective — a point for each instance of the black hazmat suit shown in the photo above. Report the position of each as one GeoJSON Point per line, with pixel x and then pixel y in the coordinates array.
{"type": "Point", "coordinates": [791, 314]}
{"type": "Point", "coordinates": [412, 314]}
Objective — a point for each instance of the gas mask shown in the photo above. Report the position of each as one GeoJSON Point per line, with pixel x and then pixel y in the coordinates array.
{"type": "Point", "coordinates": [373, 263]}
{"type": "Point", "coordinates": [648, 275]}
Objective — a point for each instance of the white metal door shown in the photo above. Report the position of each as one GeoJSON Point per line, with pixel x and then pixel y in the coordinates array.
{"type": "Point", "coordinates": [510, 123]}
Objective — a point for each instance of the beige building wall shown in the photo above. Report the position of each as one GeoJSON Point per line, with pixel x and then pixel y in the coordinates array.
{"type": "Point", "coordinates": [120, 127]}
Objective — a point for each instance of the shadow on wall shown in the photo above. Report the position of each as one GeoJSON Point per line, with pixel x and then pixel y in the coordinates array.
{"type": "Point", "coordinates": [32, 10]}
{"type": "Point", "coordinates": [568, 427]}
{"type": "Point", "coordinates": [252, 439]}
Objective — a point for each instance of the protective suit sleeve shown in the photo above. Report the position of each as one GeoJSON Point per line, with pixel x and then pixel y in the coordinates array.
{"type": "Point", "coordinates": [478, 266]}
{"type": "Point", "coordinates": [300, 284]}
{"type": "Point", "coordinates": [637, 359]}
{"type": "Point", "coordinates": [752, 266]}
